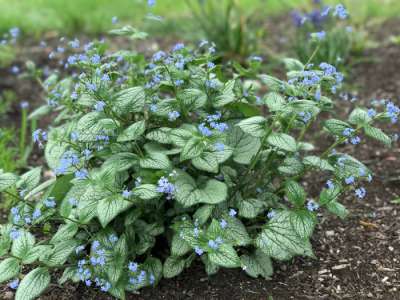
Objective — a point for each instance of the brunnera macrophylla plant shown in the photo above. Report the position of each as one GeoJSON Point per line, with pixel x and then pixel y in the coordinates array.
{"type": "Point", "coordinates": [320, 27]}
{"type": "Point", "coordinates": [164, 161]}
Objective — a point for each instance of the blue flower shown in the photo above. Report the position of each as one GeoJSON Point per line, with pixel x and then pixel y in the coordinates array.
{"type": "Point", "coordinates": [271, 214]}
{"type": "Point", "coordinates": [330, 184]}
{"type": "Point", "coordinates": [348, 132]}
{"type": "Point", "coordinates": [15, 70]}
{"type": "Point", "coordinates": [74, 136]}
{"type": "Point", "coordinates": [355, 140]}
{"type": "Point", "coordinates": [14, 234]}
{"type": "Point", "coordinates": [223, 223]}
{"type": "Point", "coordinates": [349, 180]}
{"type": "Point", "coordinates": [204, 130]}
{"type": "Point", "coordinates": [173, 115]}
{"type": "Point", "coordinates": [99, 106]}
{"type": "Point", "coordinates": [91, 86]}
{"type": "Point", "coordinates": [360, 192]}
{"type": "Point", "coordinates": [151, 2]}
{"type": "Point", "coordinates": [179, 82]}
{"type": "Point", "coordinates": [153, 107]}
{"type": "Point", "coordinates": [312, 205]}
{"type": "Point", "coordinates": [133, 267]}
{"type": "Point", "coordinates": [320, 35]}
{"type": "Point", "coordinates": [36, 213]}
{"type": "Point", "coordinates": [95, 59]}
{"type": "Point", "coordinates": [75, 43]}
{"type": "Point", "coordinates": [14, 32]}
{"type": "Point", "coordinates": [213, 244]}
{"type": "Point", "coordinates": [105, 287]}
{"type": "Point", "coordinates": [219, 146]}
{"type": "Point", "coordinates": [210, 65]}
{"type": "Point", "coordinates": [14, 284]}
{"type": "Point", "coordinates": [113, 238]}
{"type": "Point", "coordinates": [126, 193]}
{"type": "Point", "coordinates": [340, 12]}
{"type": "Point", "coordinates": [232, 212]}
{"type": "Point", "coordinates": [178, 47]}
{"type": "Point", "coordinates": [50, 203]}
{"type": "Point", "coordinates": [371, 112]}
{"type": "Point", "coordinates": [81, 174]}
{"type": "Point", "coordinates": [198, 250]}
{"type": "Point", "coordinates": [158, 56]}
{"type": "Point", "coordinates": [164, 186]}
{"type": "Point", "coordinates": [114, 20]}
{"type": "Point", "coordinates": [79, 249]}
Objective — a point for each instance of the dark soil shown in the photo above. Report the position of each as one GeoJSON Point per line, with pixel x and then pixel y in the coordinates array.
{"type": "Point", "coordinates": [357, 258]}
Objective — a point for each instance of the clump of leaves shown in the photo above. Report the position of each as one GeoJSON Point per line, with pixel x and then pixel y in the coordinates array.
{"type": "Point", "coordinates": [234, 32]}
{"type": "Point", "coordinates": [336, 40]}
{"type": "Point", "coordinates": [172, 152]}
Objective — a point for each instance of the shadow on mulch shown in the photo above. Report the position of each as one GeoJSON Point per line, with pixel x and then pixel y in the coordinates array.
{"type": "Point", "coordinates": [357, 258]}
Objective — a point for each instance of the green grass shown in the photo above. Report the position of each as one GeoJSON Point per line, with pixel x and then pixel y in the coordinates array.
{"type": "Point", "coordinates": [93, 16]}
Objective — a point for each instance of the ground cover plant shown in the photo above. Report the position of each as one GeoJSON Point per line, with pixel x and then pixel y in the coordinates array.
{"type": "Point", "coordinates": [320, 27]}
{"type": "Point", "coordinates": [163, 161]}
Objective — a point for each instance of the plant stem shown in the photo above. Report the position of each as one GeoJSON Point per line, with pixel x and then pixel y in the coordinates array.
{"type": "Point", "coordinates": [22, 138]}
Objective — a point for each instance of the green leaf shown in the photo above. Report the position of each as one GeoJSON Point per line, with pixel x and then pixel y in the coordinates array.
{"type": "Point", "coordinates": [227, 95]}
{"type": "Point", "coordinates": [180, 136]}
{"type": "Point", "coordinates": [60, 253]}
{"type": "Point", "coordinates": [40, 112]}
{"type": "Point", "coordinates": [173, 266]}
{"type": "Point", "coordinates": [33, 284]}
{"type": "Point", "coordinates": [235, 232]}
{"type": "Point", "coordinates": [292, 64]}
{"type": "Point", "coordinates": [121, 161]}
{"type": "Point", "coordinates": [93, 124]}
{"type": "Point", "coordinates": [275, 101]}
{"type": "Point", "coordinates": [336, 127]}
{"type": "Point", "coordinates": [158, 161]}
{"type": "Point", "coordinates": [337, 208]}
{"type": "Point", "coordinates": [188, 194]}
{"type": "Point", "coordinates": [378, 135]}
{"type": "Point", "coordinates": [129, 100]}
{"type": "Point", "coordinates": [160, 135]}
{"type": "Point", "coordinates": [22, 246]}
{"type": "Point", "coordinates": [318, 162]}
{"type": "Point", "coordinates": [303, 222]}
{"type": "Point", "coordinates": [244, 145]}
{"type": "Point", "coordinates": [295, 193]}
{"type": "Point", "coordinates": [30, 179]}
{"type": "Point", "coordinates": [272, 83]}
{"type": "Point", "coordinates": [250, 208]}
{"type": "Point", "coordinates": [65, 232]}
{"type": "Point", "coordinates": [280, 240]}
{"type": "Point", "coordinates": [291, 166]}
{"type": "Point", "coordinates": [207, 161]}
{"type": "Point", "coordinates": [257, 264]}
{"type": "Point", "coordinates": [193, 148]}
{"type": "Point", "coordinates": [146, 191]}
{"type": "Point", "coordinates": [193, 98]}
{"type": "Point", "coordinates": [225, 256]}
{"type": "Point", "coordinates": [133, 132]}
{"type": "Point", "coordinates": [255, 126]}
{"type": "Point", "coordinates": [7, 180]}
{"type": "Point", "coordinates": [282, 141]}
{"type": "Point", "coordinates": [108, 208]}
{"type": "Point", "coordinates": [359, 117]}
{"type": "Point", "coordinates": [179, 246]}
{"type": "Point", "coordinates": [88, 201]}
{"type": "Point", "coordinates": [203, 213]}
{"type": "Point", "coordinates": [9, 268]}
